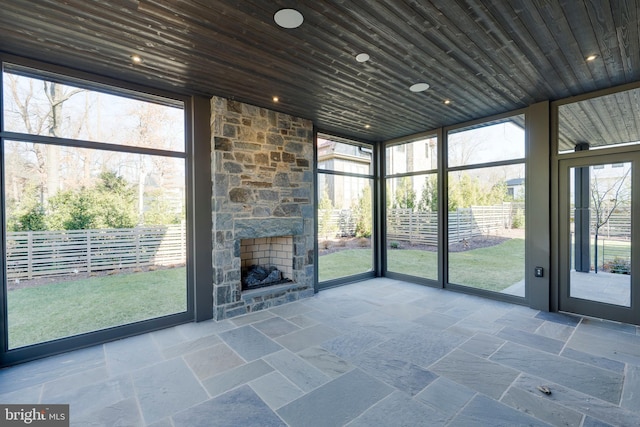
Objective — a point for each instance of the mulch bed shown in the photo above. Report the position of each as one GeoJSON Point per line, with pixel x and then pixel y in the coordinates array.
{"type": "Point", "coordinates": [332, 246]}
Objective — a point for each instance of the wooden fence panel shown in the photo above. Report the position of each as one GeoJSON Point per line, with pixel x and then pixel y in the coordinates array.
{"type": "Point", "coordinates": [36, 254]}
{"type": "Point", "coordinates": [405, 225]}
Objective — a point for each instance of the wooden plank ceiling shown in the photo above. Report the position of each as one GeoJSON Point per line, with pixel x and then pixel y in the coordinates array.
{"type": "Point", "coordinates": [485, 56]}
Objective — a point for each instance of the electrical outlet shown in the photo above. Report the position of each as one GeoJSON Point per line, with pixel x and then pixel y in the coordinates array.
{"type": "Point", "coordinates": [538, 272]}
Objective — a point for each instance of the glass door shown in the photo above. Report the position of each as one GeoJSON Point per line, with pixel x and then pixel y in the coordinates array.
{"type": "Point", "coordinates": [598, 204]}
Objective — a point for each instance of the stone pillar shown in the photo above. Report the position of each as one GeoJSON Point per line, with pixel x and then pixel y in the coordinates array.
{"type": "Point", "coordinates": [263, 185]}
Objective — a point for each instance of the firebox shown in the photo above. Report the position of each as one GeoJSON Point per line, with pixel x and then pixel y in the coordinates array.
{"type": "Point", "coordinates": [266, 261]}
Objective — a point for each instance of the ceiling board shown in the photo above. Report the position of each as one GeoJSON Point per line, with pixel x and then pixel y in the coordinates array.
{"type": "Point", "coordinates": [488, 57]}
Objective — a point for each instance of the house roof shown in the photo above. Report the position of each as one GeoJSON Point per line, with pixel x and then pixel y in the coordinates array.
{"type": "Point", "coordinates": [485, 56]}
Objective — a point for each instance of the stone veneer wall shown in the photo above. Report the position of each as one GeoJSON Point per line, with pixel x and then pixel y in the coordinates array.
{"type": "Point", "coordinates": [262, 172]}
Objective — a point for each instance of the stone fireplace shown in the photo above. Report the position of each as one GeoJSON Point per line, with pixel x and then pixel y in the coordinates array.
{"type": "Point", "coordinates": [262, 173]}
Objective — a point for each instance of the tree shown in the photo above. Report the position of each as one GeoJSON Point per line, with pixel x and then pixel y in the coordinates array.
{"type": "Point", "coordinates": [429, 196]}
{"type": "Point", "coordinates": [326, 227]}
{"type": "Point", "coordinates": [109, 204]}
{"type": "Point", "coordinates": [606, 197]}
{"type": "Point", "coordinates": [405, 195]}
{"type": "Point", "coordinates": [363, 213]}
{"type": "Point", "coordinates": [40, 112]}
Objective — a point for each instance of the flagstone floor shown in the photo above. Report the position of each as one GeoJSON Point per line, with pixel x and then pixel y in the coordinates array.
{"type": "Point", "coordinates": [376, 353]}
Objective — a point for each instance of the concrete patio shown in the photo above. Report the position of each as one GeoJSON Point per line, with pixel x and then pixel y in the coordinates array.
{"type": "Point", "coordinates": [376, 353]}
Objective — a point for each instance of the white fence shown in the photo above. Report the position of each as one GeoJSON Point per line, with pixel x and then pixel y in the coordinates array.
{"type": "Point", "coordinates": [33, 254]}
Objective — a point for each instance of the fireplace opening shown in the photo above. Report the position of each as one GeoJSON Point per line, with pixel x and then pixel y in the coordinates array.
{"type": "Point", "coordinates": [266, 261]}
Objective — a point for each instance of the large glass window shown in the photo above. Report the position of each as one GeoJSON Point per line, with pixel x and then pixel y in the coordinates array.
{"type": "Point", "coordinates": [94, 207]}
{"type": "Point", "coordinates": [412, 208]}
{"type": "Point", "coordinates": [345, 208]}
{"type": "Point", "coordinates": [486, 209]}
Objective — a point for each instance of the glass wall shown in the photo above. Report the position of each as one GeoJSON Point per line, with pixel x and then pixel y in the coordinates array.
{"type": "Point", "coordinates": [486, 206]}
{"type": "Point", "coordinates": [411, 183]}
{"type": "Point", "coordinates": [345, 208]}
{"type": "Point", "coordinates": [94, 209]}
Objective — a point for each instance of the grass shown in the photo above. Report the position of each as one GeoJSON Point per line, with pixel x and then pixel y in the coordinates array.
{"type": "Point", "coordinates": [67, 308]}
{"type": "Point", "coordinates": [493, 268]}
{"type": "Point", "coordinates": [343, 263]}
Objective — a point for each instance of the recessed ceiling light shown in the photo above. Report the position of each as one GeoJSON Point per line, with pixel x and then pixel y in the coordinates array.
{"type": "Point", "coordinates": [362, 57]}
{"type": "Point", "coordinates": [447, 101]}
{"type": "Point", "coordinates": [288, 18]}
{"type": "Point", "coordinates": [419, 87]}
{"type": "Point", "coordinates": [276, 99]}
{"type": "Point", "coordinates": [136, 59]}
{"type": "Point", "coordinates": [367, 126]}
{"type": "Point", "coordinates": [591, 57]}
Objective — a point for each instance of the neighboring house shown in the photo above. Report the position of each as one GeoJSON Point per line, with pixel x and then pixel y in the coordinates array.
{"type": "Point", "coordinates": [515, 188]}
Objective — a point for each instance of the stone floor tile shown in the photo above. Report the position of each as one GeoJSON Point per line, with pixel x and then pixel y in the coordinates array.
{"type": "Point", "coordinates": [435, 320]}
{"type": "Point", "coordinates": [165, 422]}
{"type": "Point", "coordinates": [600, 383]}
{"type": "Point", "coordinates": [292, 309]}
{"type": "Point", "coordinates": [302, 321]}
{"type": "Point", "coordinates": [234, 377]}
{"type": "Point", "coordinates": [275, 390]}
{"type": "Point", "coordinates": [353, 343]}
{"type": "Point", "coordinates": [445, 397]}
{"type": "Point", "coordinates": [612, 346]}
{"type": "Point", "coordinates": [168, 337]}
{"type": "Point", "coordinates": [337, 402]}
{"type": "Point", "coordinates": [166, 388]}
{"type": "Point", "coordinates": [132, 353]}
{"type": "Point", "coordinates": [482, 412]}
{"type": "Point", "coordinates": [520, 321]}
{"type": "Point", "coordinates": [247, 319]}
{"type": "Point", "coordinates": [404, 311]}
{"type": "Point", "coordinates": [398, 410]}
{"type": "Point", "coordinates": [557, 331]}
{"type": "Point", "coordinates": [213, 360]}
{"type": "Point", "coordinates": [195, 330]}
{"type": "Point", "coordinates": [559, 318]}
{"type": "Point", "coordinates": [592, 422]}
{"type": "Point", "coordinates": [249, 343]}
{"type": "Point", "coordinates": [327, 362]}
{"type": "Point", "coordinates": [605, 327]}
{"type": "Point", "coordinates": [122, 413]}
{"type": "Point", "coordinates": [308, 337]}
{"type": "Point", "coordinates": [299, 372]}
{"type": "Point", "coordinates": [422, 347]}
{"type": "Point", "coordinates": [238, 407]}
{"type": "Point", "coordinates": [631, 391]}
{"type": "Point", "coordinates": [404, 376]}
{"type": "Point", "coordinates": [578, 401]}
{"type": "Point", "coordinates": [531, 340]}
{"type": "Point", "coordinates": [24, 395]}
{"type": "Point", "coordinates": [93, 397]}
{"type": "Point", "coordinates": [469, 327]}
{"type": "Point", "coordinates": [476, 373]}
{"type": "Point", "coordinates": [50, 368]}
{"type": "Point", "coordinates": [600, 362]}
{"type": "Point", "coordinates": [70, 382]}
{"type": "Point", "coordinates": [482, 345]}
{"type": "Point", "coordinates": [275, 327]}
{"type": "Point", "coordinates": [190, 346]}
{"type": "Point", "coordinates": [541, 408]}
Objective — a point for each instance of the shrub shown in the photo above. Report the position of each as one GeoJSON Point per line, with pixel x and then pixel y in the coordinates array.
{"type": "Point", "coordinates": [394, 245]}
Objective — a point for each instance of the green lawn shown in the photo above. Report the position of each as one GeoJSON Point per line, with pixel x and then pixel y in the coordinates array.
{"type": "Point", "coordinates": [57, 310]}
{"type": "Point", "coordinates": [494, 268]}
{"type": "Point", "coordinates": [344, 263]}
